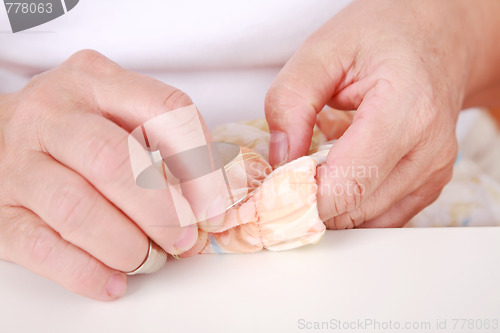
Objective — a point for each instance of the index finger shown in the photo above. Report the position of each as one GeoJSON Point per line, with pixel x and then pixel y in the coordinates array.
{"type": "Point", "coordinates": [160, 121]}
{"type": "Point", "coordinates": [97, 148]}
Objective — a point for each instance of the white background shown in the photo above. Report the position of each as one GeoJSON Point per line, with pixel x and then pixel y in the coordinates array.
{"type": "Point", "coordinates": [401, 275]}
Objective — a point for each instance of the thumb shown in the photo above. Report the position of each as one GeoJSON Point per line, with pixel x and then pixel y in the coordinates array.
{"type": "Point", "coordinates": [300, 91]}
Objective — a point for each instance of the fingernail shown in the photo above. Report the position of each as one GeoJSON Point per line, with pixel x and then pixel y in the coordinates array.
{"type": "Point", "coordinates": [278, 148]}
{"type": "Point", "coordinates": [117, 285]}
{"type": "Point", "coordinates": [187, 239]}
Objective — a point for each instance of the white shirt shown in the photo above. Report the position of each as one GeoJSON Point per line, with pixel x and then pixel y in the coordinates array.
{"type": "Point", "coordinates": [223, 53]}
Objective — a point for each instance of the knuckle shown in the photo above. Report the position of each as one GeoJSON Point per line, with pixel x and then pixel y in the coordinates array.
{"type": "Point", "coordinates": [442, 180]}
{"type": "Point", "coordinates": [165, 235]}
{"type": "Point", "coordinates": [10, 169]}
{"type": "Point", "coordinates": [451, 152]}
{"type": "Point", "coordinates": [330, 224]}
{"type": "Point", "coordinates": [340, 205]}
{"type": "Point", "coordinates": [70, 206]}
{"type": "Point", "coordinates": [93, 62]}
{"type": "Point", "coordinates": [348, 220]}
{"type": "Point", "coordinates": [425, 119]}
{"type": "Point", "coordinates": [442, 166]}
{"type": "Point", "coordinates": [175, 99]}
{"type": "Point", "coordinates": [448, 175]}
{"type": "Point", "coordinates": [12, 230]}
{"type": "Point", "coordinates": [35, 106]}
{"type": "Point", "coordinates": [285, 105]}
{"type": "Point", "coordinates": [41, 242]}
{"type": "Point", "coordinates": [425, 197]}
{"type": "Point", "coordinates": [35, 83]}
{"type": "Point", "coordinates": [349, 196]}
{"type": "Point", "coordinates": [341, 196]}
{"type": "Point", "coordinates": [344, 221]}
{"type": "Point", "coordinates": [430, 199]}
{"type": "Point", "coordinates": [285, 90]}
{"type": "Point", "coordinates": [106, 158]}
{"type": "Point", "coordinates": [278, 98]}
{"type": "Point", "coordinates": [82, 277]}
{"type": "Point", "coordinates": [272, 98]}
{"type": "Point", "coordinates": [36, 94]}
{"type": "Point", "coordinates": [356, 217]}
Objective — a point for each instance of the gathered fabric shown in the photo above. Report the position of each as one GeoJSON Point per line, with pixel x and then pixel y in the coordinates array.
{"type": "Point", "coordinates": [280, 212]}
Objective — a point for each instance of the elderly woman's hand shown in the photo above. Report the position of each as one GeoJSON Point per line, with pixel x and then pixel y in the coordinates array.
{"type": "Point", "coordinates": [69, 207]}
{"type": "Point", "coordinates": [406, 67]}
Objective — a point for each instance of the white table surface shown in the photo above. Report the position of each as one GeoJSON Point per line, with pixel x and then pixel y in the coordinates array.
{"type": "Point", "coordinates": [397, 275]}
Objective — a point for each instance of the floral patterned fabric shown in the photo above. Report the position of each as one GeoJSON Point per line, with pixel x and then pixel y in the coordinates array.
{"type": "Point", "coordinates": [281, 213]}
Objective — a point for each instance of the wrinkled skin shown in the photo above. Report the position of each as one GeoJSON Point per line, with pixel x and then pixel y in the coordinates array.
{"type": "Point", "coordinates": [407, 68]}
{"type": "Point", "coordinates": [69, 207]}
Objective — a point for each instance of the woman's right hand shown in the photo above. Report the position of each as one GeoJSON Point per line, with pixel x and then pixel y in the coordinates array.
{"type": "Point", "coordinates": [69, 207]}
